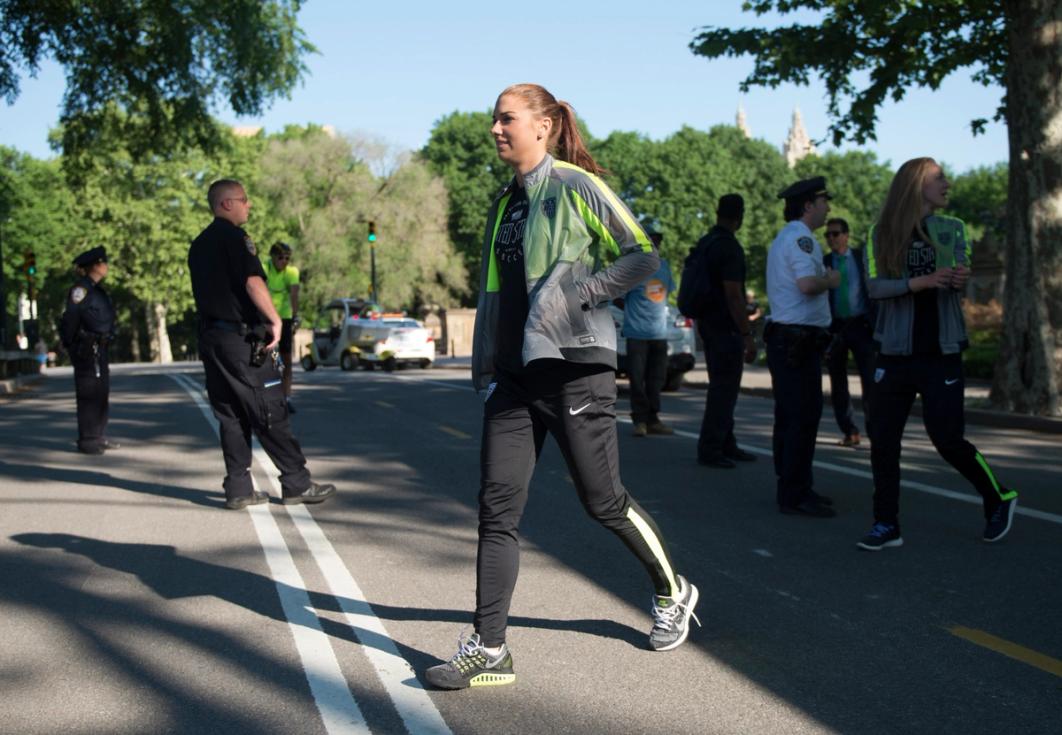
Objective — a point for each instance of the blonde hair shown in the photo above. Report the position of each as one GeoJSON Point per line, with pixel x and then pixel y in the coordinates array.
{"type": "Point", "coordinates": [564, 142]}
{"type": "Point", "coordinates": [901, 215]}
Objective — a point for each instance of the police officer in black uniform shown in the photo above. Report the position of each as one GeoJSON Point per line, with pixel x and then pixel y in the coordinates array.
{"type": "Point", "coordinates": [239, 329]}
{"type": "Point", "coordinates": [86, 330]}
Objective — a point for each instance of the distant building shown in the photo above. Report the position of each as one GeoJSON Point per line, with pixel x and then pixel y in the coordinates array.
{"type": "Point", "coordinates": [741, 122]}
{"type": "Point", "coordinates": [798, 144]}
{"type": "Point", "coordinates": [249, 131]}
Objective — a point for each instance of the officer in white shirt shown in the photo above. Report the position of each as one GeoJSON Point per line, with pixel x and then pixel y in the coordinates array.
{"type": "Point", "coordinates": [796, 335]}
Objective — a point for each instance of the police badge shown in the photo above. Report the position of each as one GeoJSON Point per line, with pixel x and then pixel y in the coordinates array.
{"type": "Point", "coordinates": [806, 244]}
{"type": "Point", "coordinates": [549, 206]}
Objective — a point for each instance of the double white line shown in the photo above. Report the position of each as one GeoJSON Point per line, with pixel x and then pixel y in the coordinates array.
{"type": "Point", "coordinates": [340, 712]}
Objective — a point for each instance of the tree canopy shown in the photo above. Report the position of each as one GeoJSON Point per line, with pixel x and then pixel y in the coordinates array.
{"type": "Point", "coordinates": [867, 51]}
{"type": "Point", "coordinates": [165, 63]}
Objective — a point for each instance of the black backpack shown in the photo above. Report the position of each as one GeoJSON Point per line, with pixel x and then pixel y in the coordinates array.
{"type": "Point", "coordinates": [695, 287]}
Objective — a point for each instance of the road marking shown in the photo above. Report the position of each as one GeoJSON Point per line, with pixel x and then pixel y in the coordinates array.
{"type": "Point", "coordinates": [1011, 650]}
{"type": "Point", "coordinates": [454, 432]}
{"type": "Point", "coordinates": [411, 701]}
{"type": "Point", "coordinates": [330, 691]}
{"type": "Point", "coordinates": [763, 552]}
{"type": "Point", "coordinates": [384, 404]}
{"type": "Point", "coordinates": [910, 484]}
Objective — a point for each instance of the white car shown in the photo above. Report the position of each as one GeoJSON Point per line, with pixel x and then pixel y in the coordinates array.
{"type": "Point", "coordinates": [398, 341]}
{"type": "Point", "coordinates": [681, 344]}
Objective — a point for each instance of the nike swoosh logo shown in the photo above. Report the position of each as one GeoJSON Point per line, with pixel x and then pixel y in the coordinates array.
{"type": "Point", "coordinates": [953, 381]}
{"type": "Point", "coordinates": [577, 411]}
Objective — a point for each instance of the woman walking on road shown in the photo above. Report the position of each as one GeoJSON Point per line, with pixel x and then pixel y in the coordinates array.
{"type": "Point", "coordinates": [917, 265]}
{"type": "Point", "coordinates": [545, 350]}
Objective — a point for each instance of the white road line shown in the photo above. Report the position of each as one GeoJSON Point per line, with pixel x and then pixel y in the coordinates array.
{"type": "Point", "coordinates": [910, 484]}
{"type": "Point", "coordinates": [411, 701]}
{"type": "Point", "coordinates": [340, 714]}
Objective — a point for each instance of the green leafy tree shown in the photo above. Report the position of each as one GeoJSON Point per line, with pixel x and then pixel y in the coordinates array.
{"type": "Point", "coordinates": [868, 51]}
{"type": "Point", "coordinates": [857, 182]}
{"type": "Point", "coordinates": [37, 215]}
{"type": "Point", "coordinates": [676, 183]}
{"type": "Point", "coordinates": [979, 197]}
{"type": "Point", "coordinates": [461, 151]}
{"type": "Point", "coordinates": [165, 63]}
{"type": "Point", "coordinates": [325, 192]}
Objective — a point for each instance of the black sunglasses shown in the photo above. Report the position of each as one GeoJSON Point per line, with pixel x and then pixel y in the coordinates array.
{"type": "Point", "coordinates": [835, 233]}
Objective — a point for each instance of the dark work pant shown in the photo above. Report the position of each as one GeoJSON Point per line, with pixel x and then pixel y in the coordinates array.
{"type": "Point", "coordinates": [797, 389]}
{"type": "Point", "coordinates": [246, 399]}
{"type": "Point", "coordinates": [93, 400]}
{"type": "Point", "coordinates": [725, 356]}
{"type": "Point", "coordinates": [647, 370]}
{"type": "Point", "coordinates": [580, 413]}
{"type": "Point", "coordinates": [855, 335]}
{"type": "Point", "coordinates": [939, 379]}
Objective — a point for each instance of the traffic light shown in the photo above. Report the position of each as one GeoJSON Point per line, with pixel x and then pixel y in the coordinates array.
{"type": "Point", "coordinates": [372, 231]}
{"type": "Point", "coordinates": [29, 264]}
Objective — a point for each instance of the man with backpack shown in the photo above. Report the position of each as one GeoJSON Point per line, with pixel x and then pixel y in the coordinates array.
{"type": "Point", "coordinates": [716, 293]}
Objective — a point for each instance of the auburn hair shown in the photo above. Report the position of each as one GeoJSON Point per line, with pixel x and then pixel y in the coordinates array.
{"type": "Point", "coordinates": [564, 142]}
{"type": "Point", "coordinates": [901, 215]}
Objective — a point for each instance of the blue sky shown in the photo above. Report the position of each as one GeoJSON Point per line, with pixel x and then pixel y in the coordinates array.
{"type": "Point", "coordinates": [392, 69]}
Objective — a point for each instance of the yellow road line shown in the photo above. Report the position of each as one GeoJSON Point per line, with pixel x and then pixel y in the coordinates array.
{"type": "Point", "coordinates": [384, 404]}
{"type": "Point", "coordinates": [1012, 650]}
{"type": "Point", "coordinates": [454, 432]}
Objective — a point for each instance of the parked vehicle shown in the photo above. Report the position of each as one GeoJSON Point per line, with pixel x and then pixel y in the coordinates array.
{"type": "Point", "coordinates": [681, 345]}
{"type": "Point", "coordinates": [336, 335]}
{"type": "Point", "coordinates": [354, 333]}
{"type": "Point", "coordinates": [397, 342]}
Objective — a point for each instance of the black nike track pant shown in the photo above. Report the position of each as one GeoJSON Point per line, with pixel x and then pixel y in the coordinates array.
{"type": "Point", "coordinates": [580, 412]}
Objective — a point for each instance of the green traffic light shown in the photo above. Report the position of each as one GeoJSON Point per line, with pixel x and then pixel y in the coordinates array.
{"type": "Point", "coordinates": [372, 232]}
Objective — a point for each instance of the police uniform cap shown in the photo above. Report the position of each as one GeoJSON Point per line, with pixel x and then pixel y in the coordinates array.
{"type": "Point", "coordinates": [805, 187]}
{"type": "Point", "coordinates": [91, 257]}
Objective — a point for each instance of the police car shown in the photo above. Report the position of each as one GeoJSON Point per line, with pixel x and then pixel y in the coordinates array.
{"type": "Point", "coordinates": [681, 345]}
{"type": "Point", "coordinates": [353, 333]}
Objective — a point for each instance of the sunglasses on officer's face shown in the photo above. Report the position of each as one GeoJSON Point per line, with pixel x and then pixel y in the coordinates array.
{"type": "Point", "coordinates": [835, 233]}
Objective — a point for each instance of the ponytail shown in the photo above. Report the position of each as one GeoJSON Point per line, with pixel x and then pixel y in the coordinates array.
{"type": "Point", "coordinates": [565, 141]}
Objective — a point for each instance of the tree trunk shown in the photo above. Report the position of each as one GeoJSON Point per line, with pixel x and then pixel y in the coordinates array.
{"type": "Point", "coordinates": [1029, 372]}
{"type": "Point", "coordinates": [134, 333]}
{"type": "Point", "coordinates": [160, 336]}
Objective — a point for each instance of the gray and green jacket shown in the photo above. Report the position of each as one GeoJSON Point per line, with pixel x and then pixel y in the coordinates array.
{"type": "Point", "coordinates": [894, 326]}
{"type": "Point", "coordinates": [582, 248]}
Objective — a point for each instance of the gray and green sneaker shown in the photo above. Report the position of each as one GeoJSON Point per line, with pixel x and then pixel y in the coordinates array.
{"type": "Point", "coordinates": [471, 666]}
{"type": "Point", "coordinates": [671, 617]}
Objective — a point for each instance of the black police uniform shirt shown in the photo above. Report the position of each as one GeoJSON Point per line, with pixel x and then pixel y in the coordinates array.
{"type": "Point", "coordinates": [221, 260]}
{"type": "Point", "coordinates": [88, 309]}
{"type": "Point", "coordinates": [513, 304]}
{"type": "Point", "coordinates": [922, 261]}
{"type": "Point", "coordinates": [725, 262]}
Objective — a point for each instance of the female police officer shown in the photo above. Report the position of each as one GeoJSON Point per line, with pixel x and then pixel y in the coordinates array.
{"type": "Point", "coordinates": [86, 330]}
{"type": "Point", "coordinates": [917, 263]}
{"type": "Point", "coordinates": [545, 349]}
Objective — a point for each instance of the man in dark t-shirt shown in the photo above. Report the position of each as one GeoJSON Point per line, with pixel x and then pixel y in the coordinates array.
{"type": "Point", "coordinates": [239, 329]}
{"type": "Point", "coordinates": [726, 334]}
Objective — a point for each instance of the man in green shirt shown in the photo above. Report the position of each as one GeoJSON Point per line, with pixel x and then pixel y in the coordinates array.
{"type": "Point", "coordinates": [282, 278]}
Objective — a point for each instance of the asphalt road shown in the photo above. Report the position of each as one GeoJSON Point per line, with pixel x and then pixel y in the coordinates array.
{"type": "Point", "coordinates": [132, 602]}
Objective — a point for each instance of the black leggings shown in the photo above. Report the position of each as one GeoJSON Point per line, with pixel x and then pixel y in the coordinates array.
{"type": "Point", "coordinates": [579, 411]}
{"type": "Point", "coordinates": [939, 379]}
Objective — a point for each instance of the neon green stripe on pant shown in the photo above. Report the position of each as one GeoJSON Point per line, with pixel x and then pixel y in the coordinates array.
{"type": "Point", "coordinates": [653, 542]}
{"type": "Point", "coordinates": [1003, 495]}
